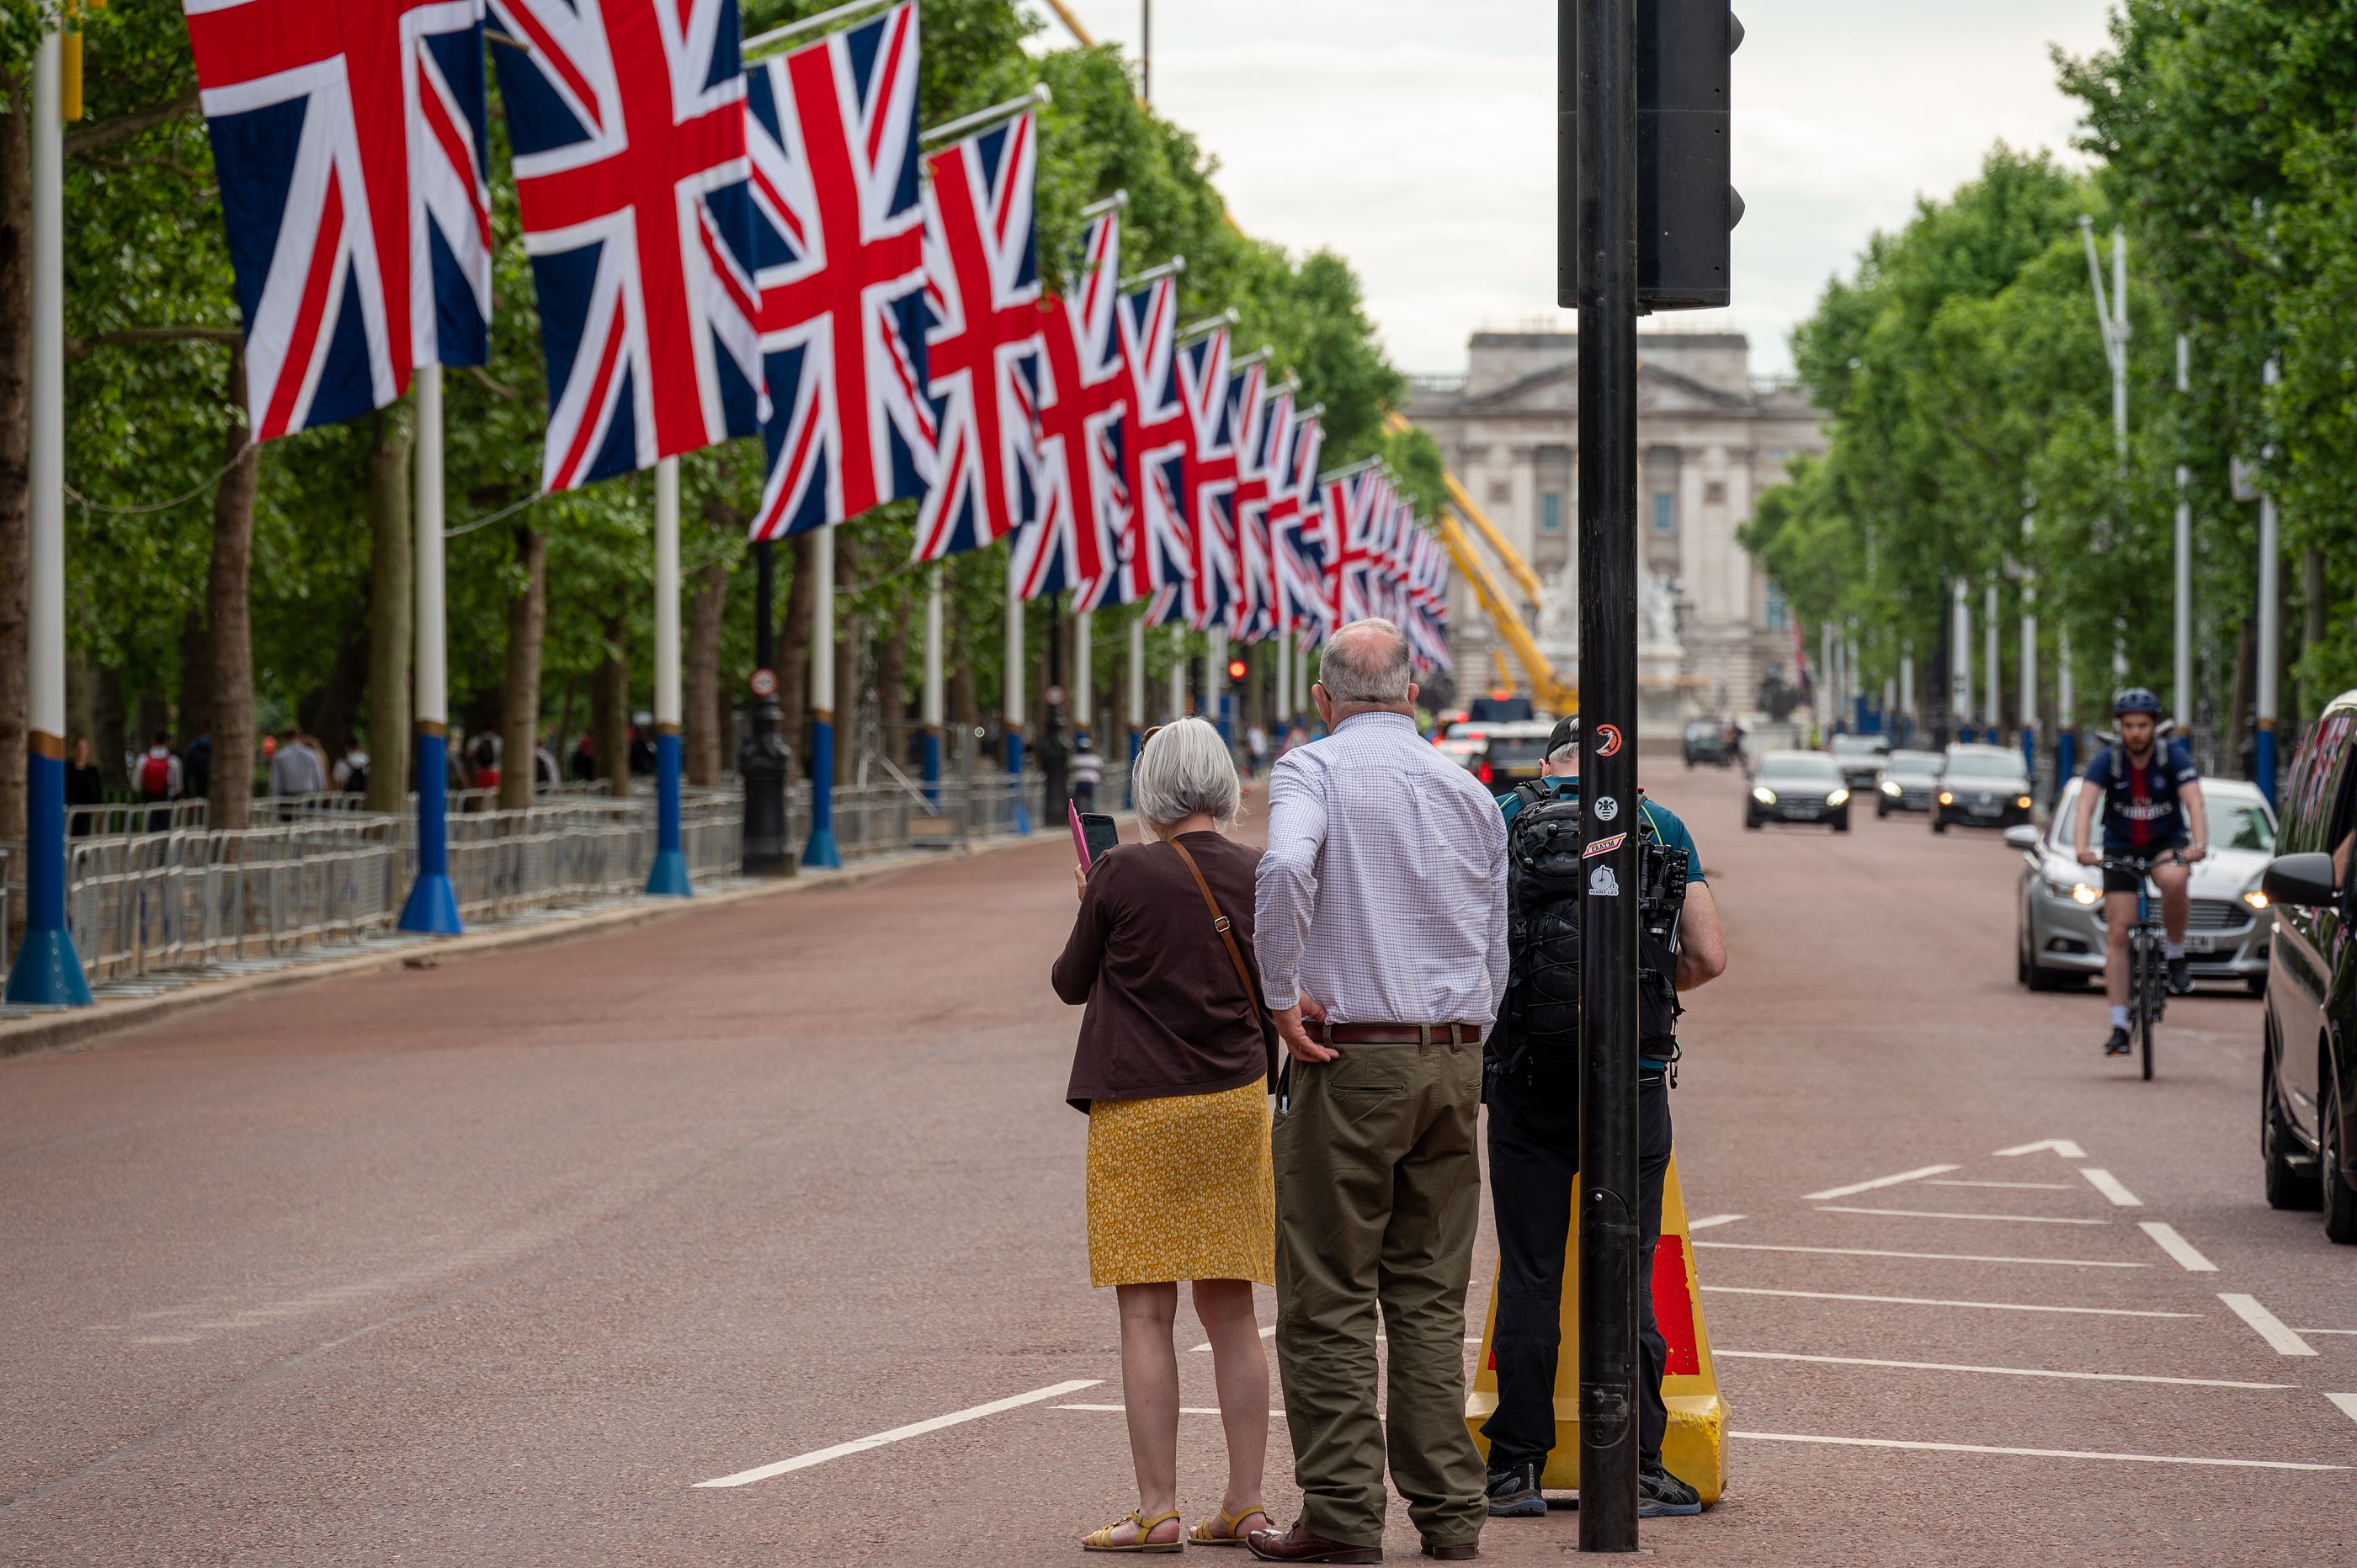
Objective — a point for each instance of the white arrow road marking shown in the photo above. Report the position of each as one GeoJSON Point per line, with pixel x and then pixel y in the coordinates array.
{"type": "Point", "coordinates": [2347, 1403]}
{"type": "Point", "coordinates": [2176, 1247]}
{"type": "Point", "coordinates": [2107, 1184]}
{"type": "Point", "coordinates": [1930, 1257]}
{"type": "Point", "coordinates": [1853, 1188]}
{"type": "Point", "coordinates": [2270, 1328]}
{"type": "Point", "coordinates": [2031, 1453]}
{"type": "Point", "coordinates": [915, 1429]}
{"type": "Point", "coordinates": [2001, 1371]}
{"type": "Point", "coordinates": [1712, 1222]}
{"type": "Point", "coordinates": [1942, 1214]}
{"type": "Point", "coordinates": [2062, 1146]}
{"type": "Point", "coordinates": [1920, 1301]}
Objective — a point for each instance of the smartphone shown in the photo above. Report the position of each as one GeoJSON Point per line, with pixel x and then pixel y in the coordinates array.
{"type": "Point", "coordinates": [1099, 833]}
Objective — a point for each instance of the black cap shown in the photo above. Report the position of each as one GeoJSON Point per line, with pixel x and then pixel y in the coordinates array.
{"type": "Point", "coordinates": [1566, 732]}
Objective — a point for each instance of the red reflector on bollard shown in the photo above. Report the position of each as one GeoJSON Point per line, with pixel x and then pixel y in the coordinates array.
{"type": "Point", "coordinates": [1673, 1308]}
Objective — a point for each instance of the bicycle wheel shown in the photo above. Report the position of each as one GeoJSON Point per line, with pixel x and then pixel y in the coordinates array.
{"type": "Point", "coordinates": [2149, 995]}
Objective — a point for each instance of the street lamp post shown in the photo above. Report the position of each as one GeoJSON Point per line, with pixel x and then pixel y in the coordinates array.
{"type": "Point", "coordinates": [766, 761]}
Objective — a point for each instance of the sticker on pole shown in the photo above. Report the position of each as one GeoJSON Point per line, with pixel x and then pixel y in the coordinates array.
{"type": "Point", "coordinates": [1608, 740]}
{"type": "Point", "coordinates": [1055, 697]}
{"type": "Point", "coordinates": [764, 683]}
{"type": "Point", "coordinates": [1607, 808]}
{"type": "Point", "coordinates": [1602, 883]}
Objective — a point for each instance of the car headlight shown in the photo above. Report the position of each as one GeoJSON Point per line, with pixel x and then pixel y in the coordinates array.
{"type": "Point", "coordinates": [2256, 898]}
{"type": "Point", "coordinates": [1947, 799]}
{"type": "Point", "coordinates": [1890, 786]}
{"type": "Point", "coordinates": [2022, 801]}
{"type": "Point", "coordinates": [1764, 795]}
{"type": "Point", "coordinates": [1837, 798]}
{"type": "Point", "coordinates": [2081, 893]}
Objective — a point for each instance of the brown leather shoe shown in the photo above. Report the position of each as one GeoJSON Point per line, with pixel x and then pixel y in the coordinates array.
{"type": "Point", "coordinates": [1456, 1552]}
{"type": "Point", "coordinates": [1297, 1545]}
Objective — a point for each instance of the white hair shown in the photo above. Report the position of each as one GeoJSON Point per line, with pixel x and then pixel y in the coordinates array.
{"type": "Point", "coordinates": [1186, 768]}
{"type": "Point", "coordinates": [1366, 661]}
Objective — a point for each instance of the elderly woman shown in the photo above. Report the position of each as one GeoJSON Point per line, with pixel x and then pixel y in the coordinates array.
{"type": "Point", "coordinates": [1172, 1068]}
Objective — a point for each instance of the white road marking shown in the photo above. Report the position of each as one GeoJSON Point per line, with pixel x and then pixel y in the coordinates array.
{"type": "Point", "coordinates": [1711, 1222]}
{"type": "Point", "coordinates": [2176, 1247]}
{"type": "Point", "coordinates": [2062, 1146]}
{"type": "Point", "coordinates": [2324, 1331]}
{"type": "Point", "coordinates": [1925, 1301]}
{"type": "Point", "coordinates": [2345, 1403]}
{"type": "Point", "coordinates": [1933, 1257]}
{"type": "Point", "coordinates": [2109, 1186]}
{"type": "Point", "coordinates": [1855, 1187]}
{"type": "Point", "coordinates": [2267, 1325]}
{"type": "Point", "coordinates": [2004, 1371]}
{"type": "Point", "coordinates": [915, 1429]}
{"type": "Point", "coordinates": [1942, 1214]}
{"type": "Point", "coordinates": [2025, 1186]}
{"type": "Point", "coordinates": [2031, 1453]}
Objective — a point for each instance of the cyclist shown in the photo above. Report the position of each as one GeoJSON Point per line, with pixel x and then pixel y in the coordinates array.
{"type": "Point", "coordinates": [2152, 805]}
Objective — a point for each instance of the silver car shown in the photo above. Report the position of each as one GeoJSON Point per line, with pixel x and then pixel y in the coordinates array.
{"type": "Point", "coordinates": [2061, 902]}
{"type": "Point", "coordinates": [1910, 781]}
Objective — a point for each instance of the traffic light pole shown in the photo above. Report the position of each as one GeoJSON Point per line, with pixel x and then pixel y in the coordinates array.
{"type": "Point", "coordinates": [1597, 256]}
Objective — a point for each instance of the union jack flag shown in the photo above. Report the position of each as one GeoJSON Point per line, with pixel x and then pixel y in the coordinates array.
{"type": "Point", "coordinates": [841, 274]}
{"type": "Point", "coordinates": [1158, 548]}
{"type": "Point", "coordinates": [1354, 504]}
{"type": "Point", "coordinates": [349, 143]}
{"type": "Point", "coordinates": [1250, 408]}
{"type": "Point", "coordinates": [1075, 543]}
{"type": "Point", "coordinates": [1296, 537]}
{"type": "Point", "coordinates": [982, 291]}
{"type": "Point", "coordinates": [628, 120]}
{"type": "Point", "coordinates": [1211, 481]}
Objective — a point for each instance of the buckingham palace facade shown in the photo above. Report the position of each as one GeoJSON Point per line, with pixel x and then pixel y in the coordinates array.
{"type": "Point", "coordinates": [1710, 437]}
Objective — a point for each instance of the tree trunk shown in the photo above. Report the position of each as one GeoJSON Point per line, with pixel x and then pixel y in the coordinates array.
{"type": "Point", "coordinates": [196, 679]}
{"type": "Point", "coordinates": [702, 704]}
{"type": "Point", "coordinates": [891, 690]}
{"type": "Point", "coordinates": [81, 699]}
{"type": "Point", "coordinates": [793, 652]}
{"type": "Point", "coordinates": [392, 609]}
{"type": "Point", "coordinates": [16, 445]}
{"type": "Point", "coordinates": [229, 616]}
{"type": "Point", "coordinates": [2239, 716]}
{"type": "Point", "coordinates": [112, 741]}
{"type": "Point", "coordinates": [336, 704]}
{"type": "Point", "coordinates": [609, 706]}
{"type": "Point", "coordinates": [520, 709]}
{"type": "Point", "coordinates": [848, 645]}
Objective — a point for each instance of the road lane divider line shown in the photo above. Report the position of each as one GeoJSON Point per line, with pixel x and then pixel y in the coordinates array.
{"type": "Point", "coordinates": [1711, 1221]}
{"type": "Point", "coordinates": [900, 1434]}
{"type": "Point", "coordinates": [1942, 1214]}
{"type": "Point", "coordinates": [1926, 1301]}
{"type": "Point", "coordinates": [2023, 1186]}
{"type": "Point", "coordinates": [2031, 1453]}
{"type": "Point", "coordinates": [2062, 1146]}
{"type": "Point", "coordinates": [2111, 1187]}
{"type": "Point", "coordinates": [2345, 1403]}
{"type": "Point", "coordinates": [1853, 1188]}
{"type": "Point", "coordinates": [2265, 1324]}
{"type": "Point", "coordinates": [1931, 1257]}
{"type": "Point", "coordinates": [2187, 1256]}
{"type": "Point", "coordinates": [2324, 1331]}
{"type": "Point", "coordinates": [2000, 1372]}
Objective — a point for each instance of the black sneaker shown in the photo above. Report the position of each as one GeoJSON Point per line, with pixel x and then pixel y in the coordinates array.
{"type": "Point", "coordinates": [1661, 1495]}
{"type": "Point", "coordinates": [2180, 977]}
{"type": "Point", "coordinates": [2119, 1043]}
{"type": "Point", "coordinates": [1514, 1491]}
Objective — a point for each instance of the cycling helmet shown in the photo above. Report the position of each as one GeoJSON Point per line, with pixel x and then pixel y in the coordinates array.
{"type": "Point", "coordinates": [2136, 700]}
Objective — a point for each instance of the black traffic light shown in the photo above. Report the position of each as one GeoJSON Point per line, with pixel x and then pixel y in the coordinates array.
{"type": "Point", "coordinates": [1685, 205]}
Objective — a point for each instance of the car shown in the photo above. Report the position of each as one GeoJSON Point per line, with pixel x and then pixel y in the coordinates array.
{"type": "Point", "coordinates": [1797, 786]}
{"type": "Point", "coordinates": [1860, 756]}
{"type": "Point", "coordinates": [1909, 782]}
{"type": "Point", "coordinates": [1512, 752]}
{"type": "Point", "coordinates": [1711, 741]}
{"type": "Point", "coordinates": [2308, 1082]}
{"type": "Point", "coordinates": [2059, 905]}
{"type": "Point", "coordinates": [1983, 786]}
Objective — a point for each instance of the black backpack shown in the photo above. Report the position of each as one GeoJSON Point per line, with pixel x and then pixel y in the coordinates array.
{"type": "Point", "coordinates": [1539, 1025]}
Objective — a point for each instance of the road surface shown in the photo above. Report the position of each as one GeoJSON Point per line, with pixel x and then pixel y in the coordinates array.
{"type": "Point", "coordinates": [494, 1262]}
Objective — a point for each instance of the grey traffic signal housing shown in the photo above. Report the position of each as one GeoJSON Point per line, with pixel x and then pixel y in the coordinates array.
{"type": "Point", "coordinates": [1686, 204]}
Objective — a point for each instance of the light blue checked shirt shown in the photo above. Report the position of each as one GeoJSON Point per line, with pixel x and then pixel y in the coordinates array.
{"type": "Point", "coordinates": [1383, 890]}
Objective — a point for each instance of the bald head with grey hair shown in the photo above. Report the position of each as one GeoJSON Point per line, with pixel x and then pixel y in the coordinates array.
{"type": "Point", "coordinates": [1364, 667]}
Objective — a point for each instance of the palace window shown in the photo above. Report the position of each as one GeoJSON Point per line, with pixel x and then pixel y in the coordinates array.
{"type": "Point", "coordinates": [1551, 512]}
{"type": "Point", "coordinates": [1665, 512]}
{"type": "Point", "coordinates": [1778, 617]}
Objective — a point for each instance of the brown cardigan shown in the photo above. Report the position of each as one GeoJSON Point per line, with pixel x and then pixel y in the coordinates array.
{"type": "Point", "coordinates": [1166, 1014]}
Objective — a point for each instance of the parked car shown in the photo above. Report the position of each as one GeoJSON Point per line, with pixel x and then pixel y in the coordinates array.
{"type": "Point", "coordinates": [2307, 1085]}
{"type": "Point", "coordinates": [2059, 903]}
{"type": "Point", "coordinates": [1910, 781]}
{"type": "Point", "coordinates": [1711, 741]}
{"type": "Point", "coordinates": [1512, 752]}
{"type": "Point", "coordinates": [1797, 786]}
{"type": "Point", "coordinates": [1860, 756]}
{"type": "Point", "coordinates": [1985, 786]}
{"type": "Point", "coordinates": [1461, 743]}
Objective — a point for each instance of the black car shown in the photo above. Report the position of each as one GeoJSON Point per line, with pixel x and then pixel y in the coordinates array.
{"type": "Point", "coordinates": [1797, 786]}
{"type": "Point", "coordinates": [1982, 787]}
{"type": "Point", "coordinates": [1860, 756]}
{"type": "Point", "coordinates": [2307, 1084]}
{"type": "Point", "coordinates": [1707, 740]}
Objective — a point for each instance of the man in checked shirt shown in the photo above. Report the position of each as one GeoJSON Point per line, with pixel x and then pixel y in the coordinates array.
{"type": "Point", "coordinates": [1380, 930]}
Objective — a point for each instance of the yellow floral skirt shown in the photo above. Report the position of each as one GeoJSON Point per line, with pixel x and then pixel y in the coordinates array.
{"type": "Point", "coordinates": [1180, 1187]}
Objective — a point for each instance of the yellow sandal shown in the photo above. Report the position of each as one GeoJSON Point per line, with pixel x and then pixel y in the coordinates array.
{"type": "Point", "coordinates": [1102, 1539]}
{"type": "Point", "coordinates": [1230, 1528]}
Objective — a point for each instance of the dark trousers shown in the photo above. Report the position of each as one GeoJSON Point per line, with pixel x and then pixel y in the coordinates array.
{"type": "Point", "coordinates": [1534, 1168]}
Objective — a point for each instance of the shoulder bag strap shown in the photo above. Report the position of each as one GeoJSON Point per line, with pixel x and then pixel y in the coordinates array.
{"type": "Point", "coordinates": [1221, 924]}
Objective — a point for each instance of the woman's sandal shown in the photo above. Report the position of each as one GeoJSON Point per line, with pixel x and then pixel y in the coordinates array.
{"type": "Point", "coordinates": [1102, 1539]}
{"type": "Point", "coordinates": [1230, 1528]}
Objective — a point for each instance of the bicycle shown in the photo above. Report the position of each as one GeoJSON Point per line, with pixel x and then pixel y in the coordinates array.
{"type": "Point", "coordinates": [2147, 959]}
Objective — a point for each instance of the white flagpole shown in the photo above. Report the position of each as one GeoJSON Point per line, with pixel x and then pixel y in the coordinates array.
{"type": "Point", "coordinates": [1178, 673]}
{"type": "Point", "coordinates": [668, 877]}
{"type": "Point", "coordinates": [1016, 654]}
{"type": "Point", "coordinates": [821, 850]}
{"type": "Point", "coordinates": [930, 707]}
{"type": "Point", "coordinates": [433, 902]}
{"type": "Point", "coordinates": [1084, 682]}
{"type": "Point", "coordinates": [1136, 692]}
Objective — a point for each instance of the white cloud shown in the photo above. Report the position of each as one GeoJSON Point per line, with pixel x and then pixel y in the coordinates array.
{"type": "Point", "coordinates": [1417, 137]}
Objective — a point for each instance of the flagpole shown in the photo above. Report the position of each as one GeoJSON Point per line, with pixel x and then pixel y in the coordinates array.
{"type": "Point", "coordinates": [668, 877]}
{"type": "Point", "coordinates": [1215, 683]}
{"type": "Point", "coordinates": [930, 705]}
{"type": "Point", "coordinates": [47, 972]}
{"type": "Point", "coordinates": [432, 903]}
{"type": "Point", "coordinates": [1284, 682]}
{"type": "Point", "coordinates": [1177, 673]}
{"type": "Point", "coordinates": [1137, 703]}
{"type": "Point", "coordinates": [1084, 676]}
{"type": "Point", "coordinates": [1016, 653]}
{"type": "Point", "coordinates": [821, 850]}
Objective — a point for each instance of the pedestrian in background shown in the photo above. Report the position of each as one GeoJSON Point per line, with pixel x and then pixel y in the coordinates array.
{"type": "Point", "coordinates": [352, 771]}
{"type": "Point", "coordinates": [1255, 750]}
{"type": "Point", "coordinates": [156, 778]}
{"type": "Point", "coordinates": [1172, 1068]}
{"type": "Point", "coordinates": [1382, 928]}
{"type": "Point", "coordinates": [1086, 772]}
{"type": "Point", "coordinates": [83, 788]}
{"type": "Point", "coordinates": [295, 767]}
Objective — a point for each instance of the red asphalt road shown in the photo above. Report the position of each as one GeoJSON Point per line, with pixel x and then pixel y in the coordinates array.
{"type": "Point", "coordinates": [490, 1263]}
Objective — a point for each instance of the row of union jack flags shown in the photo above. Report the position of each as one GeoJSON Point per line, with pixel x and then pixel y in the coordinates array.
{"type": "Point", "coordinates": [721, 251]}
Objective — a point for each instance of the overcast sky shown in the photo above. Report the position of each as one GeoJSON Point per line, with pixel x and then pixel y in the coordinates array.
{"type": "Point", "coordinates": [1416, 138]}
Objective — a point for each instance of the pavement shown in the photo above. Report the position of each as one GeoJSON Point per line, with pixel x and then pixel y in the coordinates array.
{"type": "Point", "coordinates": [494, 1262]}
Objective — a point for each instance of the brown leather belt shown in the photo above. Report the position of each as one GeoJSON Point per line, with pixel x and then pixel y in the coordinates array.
{"type": "Point", "coordinates": [1334, 1033]}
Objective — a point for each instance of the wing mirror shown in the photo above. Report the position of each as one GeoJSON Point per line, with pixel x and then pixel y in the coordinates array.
{"type": "Point", "coordinates": [2299, 879]}
{"type": "Point", "coordinates": [2023, 837]}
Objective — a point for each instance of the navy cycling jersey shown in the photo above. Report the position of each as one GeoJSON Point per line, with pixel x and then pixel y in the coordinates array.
{"type": "Point", "coordinates": [2141, 811]}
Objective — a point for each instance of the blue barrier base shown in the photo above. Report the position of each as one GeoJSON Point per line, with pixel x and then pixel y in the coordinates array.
{"type": "Point", "coordinates": [667, 878]}
{"type": "Point", "coordinates": [932, 766]}
{"type": "Point", "coordinates": [433, 907]}
{"type": "Point", "coordinates": [820, 850]}
{"type": "Point", "coordinates": [46, 972]}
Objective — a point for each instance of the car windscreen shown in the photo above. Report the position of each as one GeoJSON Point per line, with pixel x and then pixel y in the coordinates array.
{"type": "Point", "coordinates": [1848, 745]}
{"type": "Point", "coordinates": [1915, 761]}
{"type": "Point", "coordinates": [2240, 824]}
{"type": "Point", "coordinates": [1800, 772]}
{"type": "Point", "coordinates": [1983, 768]}
{"type": "Point", "coordinates": [1516, 751]}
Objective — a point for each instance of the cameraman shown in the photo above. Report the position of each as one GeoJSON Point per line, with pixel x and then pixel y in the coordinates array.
{"type": "Point", "coordinates": [1533, 1098]}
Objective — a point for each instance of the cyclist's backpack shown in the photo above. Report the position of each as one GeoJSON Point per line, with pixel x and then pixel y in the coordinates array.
{"type": "Point", "coordinates": [155, 777]}
{"type": "Point", "coordinates": [356, 780]}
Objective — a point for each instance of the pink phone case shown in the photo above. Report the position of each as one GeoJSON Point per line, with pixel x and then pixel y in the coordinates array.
{"type": "Point", "coordinates": [1080, 839]}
